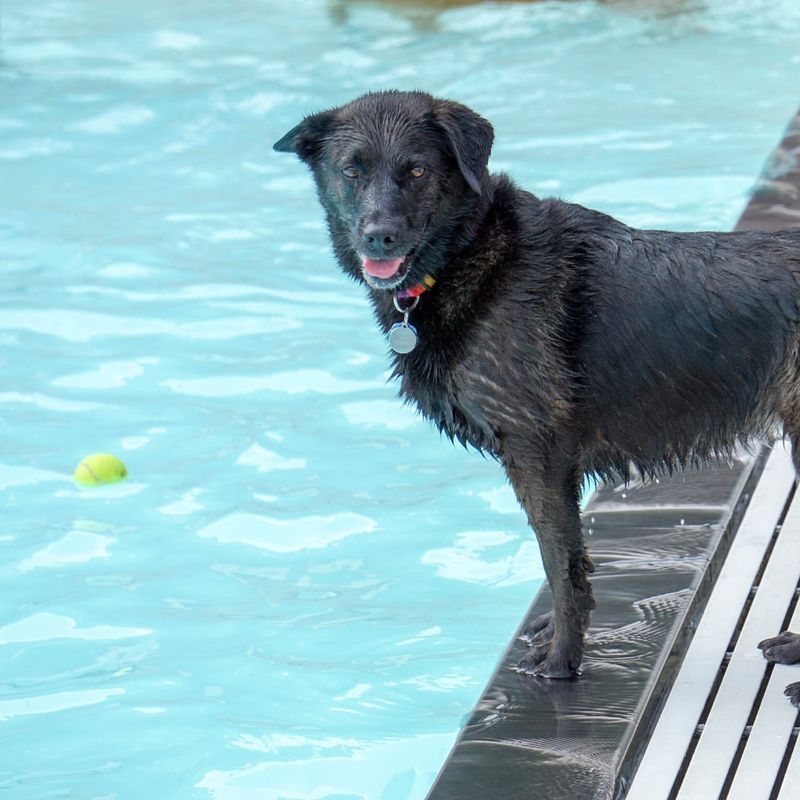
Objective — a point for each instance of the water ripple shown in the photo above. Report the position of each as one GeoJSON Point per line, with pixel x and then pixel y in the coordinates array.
{"type": "Point", "coordinates": [58, 701]}
{"type": "Point", "coordinates": [115, 120]}
{"type": "Point", "coordinates": [83, 326]}
{"type": "Point", "coordinates": [293, 382]}
{"type": "Point", "coordinates": [77, 547]}
{"type": "Point", "coordinates": [44, 626]}
{"type": "Point", "coordinates": [288, 535]}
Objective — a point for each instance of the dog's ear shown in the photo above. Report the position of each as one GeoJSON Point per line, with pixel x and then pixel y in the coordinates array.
{"type": "Point", "coordinates": [470, 137]}
{"type": "Point", "coordinates": [307, 138]}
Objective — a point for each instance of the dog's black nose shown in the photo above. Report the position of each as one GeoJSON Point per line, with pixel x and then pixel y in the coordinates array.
{"type": "Point", "coordinates": [381, 235]}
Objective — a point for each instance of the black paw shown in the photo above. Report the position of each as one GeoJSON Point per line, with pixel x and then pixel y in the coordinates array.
{"type": "Point", "coordinates": [552, 659]}
{"type": "Point", "coordinates": [540, 631]}
{"type": "Point", "coordinates": [792, 691]}
{"type": "Point", "coordinates": [782, 649]}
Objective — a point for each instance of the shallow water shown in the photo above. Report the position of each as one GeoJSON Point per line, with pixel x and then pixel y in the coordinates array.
{"type": "Point", "coordinates": [301, 590]}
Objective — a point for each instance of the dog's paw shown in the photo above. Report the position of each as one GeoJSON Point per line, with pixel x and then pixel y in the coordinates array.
{"type": "Point", "coordinates": [782, 649]}
{"type": "Point", "coordinates": [540, 631]}
{"type": "Point", "coordinates": [792, 691]}
{"type": "Point", "coordinates": [549, 660]}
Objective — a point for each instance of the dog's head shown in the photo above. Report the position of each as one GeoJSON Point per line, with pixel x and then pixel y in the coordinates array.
{"type": "Point", "coordinates": [396, 173]}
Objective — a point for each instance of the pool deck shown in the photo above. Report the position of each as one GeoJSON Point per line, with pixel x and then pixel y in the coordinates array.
{"type": "Point", "coordinates": [675, 701]}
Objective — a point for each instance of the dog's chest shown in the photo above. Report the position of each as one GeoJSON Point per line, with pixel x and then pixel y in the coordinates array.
{"type": "Point", "coordinates": [475, 398]}
{"type": "Point", "coordinates": [451, 401]}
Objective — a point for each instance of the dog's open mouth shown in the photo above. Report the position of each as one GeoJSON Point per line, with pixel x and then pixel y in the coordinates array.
{"type": "Point", "coordinates": [385, 273]}
{"type": "Point", "coordinates": [384, 268]}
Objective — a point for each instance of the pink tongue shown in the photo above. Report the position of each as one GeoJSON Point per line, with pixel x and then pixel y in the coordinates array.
{"type": "Point", "coordinates": [384, 268]}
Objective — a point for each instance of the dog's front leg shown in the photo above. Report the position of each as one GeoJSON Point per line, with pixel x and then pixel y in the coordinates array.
{"type": "Point", "coordinates": [549, 491]}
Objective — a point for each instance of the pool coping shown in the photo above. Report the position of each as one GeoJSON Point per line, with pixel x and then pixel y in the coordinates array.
{"type": "Point", "coordinates": [584, 738]}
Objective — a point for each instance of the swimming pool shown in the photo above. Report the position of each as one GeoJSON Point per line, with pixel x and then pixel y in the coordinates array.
{"type": "Point", "coordinates": [301, 590]}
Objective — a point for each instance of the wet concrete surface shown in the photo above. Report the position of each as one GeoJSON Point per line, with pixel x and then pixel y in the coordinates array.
{"type": "Point", "coordinates": [655, 547]}
{"type": "Point", "coordinates": [775, 204]}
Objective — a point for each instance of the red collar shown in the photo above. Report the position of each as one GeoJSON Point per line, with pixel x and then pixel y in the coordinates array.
{"type": "Point", "coordinates": [416, 291]}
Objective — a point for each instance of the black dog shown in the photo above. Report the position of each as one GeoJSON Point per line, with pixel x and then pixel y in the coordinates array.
{"type": "Point", "coordinates": [551, 336]}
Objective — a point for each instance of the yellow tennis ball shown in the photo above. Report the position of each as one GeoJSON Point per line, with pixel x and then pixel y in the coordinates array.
{"type": "Point", "coordinates": [99, 468]}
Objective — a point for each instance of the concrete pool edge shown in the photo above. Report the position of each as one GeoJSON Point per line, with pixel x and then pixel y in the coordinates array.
{"type": "Point", "coordinates": [775, 201]}
{"type": "Point", "coordinates": [585, 738]}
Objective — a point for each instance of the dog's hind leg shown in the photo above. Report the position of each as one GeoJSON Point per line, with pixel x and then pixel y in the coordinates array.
{"type": "Point", "coordinates": [791, 429]}
{"type": "Point", "coordinates": [549, 493]}
{"type": "Point", "coordinates": [788, 390]}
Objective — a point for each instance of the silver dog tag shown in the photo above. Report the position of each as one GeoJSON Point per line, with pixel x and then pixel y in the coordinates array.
{"type": "Point", "coordinates": [402, 337]}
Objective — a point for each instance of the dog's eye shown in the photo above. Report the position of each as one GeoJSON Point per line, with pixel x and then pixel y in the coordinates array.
{"type": "Point", "coordinates": [350, 172]}
{"type": "Point", "coordinates": [417, 171]}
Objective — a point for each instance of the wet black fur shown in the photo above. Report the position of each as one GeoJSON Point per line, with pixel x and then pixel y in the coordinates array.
{"type": "Point", "coordinates": [556, 338]}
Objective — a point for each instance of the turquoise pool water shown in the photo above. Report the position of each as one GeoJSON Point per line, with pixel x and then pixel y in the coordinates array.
{"type": "Point", "coordinates": [301, 590]}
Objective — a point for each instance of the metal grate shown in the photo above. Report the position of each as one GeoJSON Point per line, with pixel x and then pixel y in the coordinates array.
{"type": "Point", "coordinates": [727, 732]}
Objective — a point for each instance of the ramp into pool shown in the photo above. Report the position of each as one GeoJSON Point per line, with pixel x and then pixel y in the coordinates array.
{"type": "Point", "coordinates": [675, 701]}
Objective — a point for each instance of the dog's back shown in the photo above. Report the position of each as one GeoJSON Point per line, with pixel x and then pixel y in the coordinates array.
{"type": "Point", "coordinates": [688, 343]}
